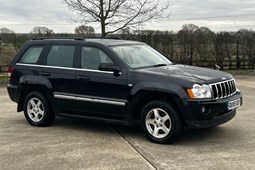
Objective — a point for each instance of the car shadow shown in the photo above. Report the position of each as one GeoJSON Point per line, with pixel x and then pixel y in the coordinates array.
{"type": "Point", "coordinates": [194, 135]}
{"type": "Point", "coordinates": [74, 124]}
{"type": "Point", "coordinates": [134, 133]}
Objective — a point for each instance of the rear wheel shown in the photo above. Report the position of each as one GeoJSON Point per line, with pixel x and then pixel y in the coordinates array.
{"type": "Point", "coordinates": [161, 122]}
{"type": "Point", "coordinates": [37, 110]}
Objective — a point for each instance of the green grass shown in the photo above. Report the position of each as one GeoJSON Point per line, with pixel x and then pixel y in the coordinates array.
{"type": "Point", "coordinates": [4, 78]}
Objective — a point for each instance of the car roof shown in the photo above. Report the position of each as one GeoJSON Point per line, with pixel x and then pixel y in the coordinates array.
{"type": "Point", "coordinates": [113, 42]}
{"type": "Point", "coordinates": [103, 41]}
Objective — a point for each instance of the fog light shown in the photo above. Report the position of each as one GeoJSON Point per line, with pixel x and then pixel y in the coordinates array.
{"type": "Point", "coordinates": [203, 109]}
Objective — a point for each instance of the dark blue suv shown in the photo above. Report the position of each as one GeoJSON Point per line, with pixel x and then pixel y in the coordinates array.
{"type": "Point", "coordinates": [118, 81]}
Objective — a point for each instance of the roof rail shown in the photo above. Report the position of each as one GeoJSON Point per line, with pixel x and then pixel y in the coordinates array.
{"type": "Point", "coordinates": [60, 38]}
{"type": "Point", "coordinates": [115, 38]}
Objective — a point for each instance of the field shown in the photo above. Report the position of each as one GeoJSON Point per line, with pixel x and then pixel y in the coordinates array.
{"type": "Point", "coordinates": [6, 55]}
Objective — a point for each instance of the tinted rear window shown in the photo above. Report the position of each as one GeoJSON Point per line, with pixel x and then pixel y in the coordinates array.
{"type": "Point", "coordinates": [32, 55]}
{"type": "Point", "coordinates": [61, 55]}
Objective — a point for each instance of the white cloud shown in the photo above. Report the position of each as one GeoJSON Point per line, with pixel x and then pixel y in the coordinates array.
{"type": "Point", "coordinates": [23, 15]}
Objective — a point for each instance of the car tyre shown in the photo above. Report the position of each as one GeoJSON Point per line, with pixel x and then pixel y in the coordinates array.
{"type": "Point", "coordinates": [37, 110]}
{"type": "Point", "coordinates": [161, 122]}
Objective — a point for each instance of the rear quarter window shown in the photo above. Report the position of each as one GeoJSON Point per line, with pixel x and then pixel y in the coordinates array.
{"type": "Point", "coordinates": [31, 55]}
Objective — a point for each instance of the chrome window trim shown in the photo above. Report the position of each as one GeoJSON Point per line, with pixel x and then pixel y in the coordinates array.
{"type": "Point", "coordinates": [91, 70]}
{"type": "Point", "coordinates": [57, 67]}
{"type": "Point", "coordinates": [45, 66]}
{"type": "Point", "coordinates": [30, 65]}
{"type": "Point", "coordinates": [60, 96]}
{"type": "Point", "coordinates": [66, 68]}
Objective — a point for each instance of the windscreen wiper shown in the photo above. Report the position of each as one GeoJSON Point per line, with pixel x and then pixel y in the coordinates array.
{"type": "Point", "coordinates": [159, 65]}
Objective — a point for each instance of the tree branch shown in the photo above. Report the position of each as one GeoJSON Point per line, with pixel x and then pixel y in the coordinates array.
{"type": "Point", "coordinates": [118, 13]}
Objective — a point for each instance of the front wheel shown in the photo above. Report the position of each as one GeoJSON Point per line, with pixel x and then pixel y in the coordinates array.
{"type": "Point", "coordinates": [161, 122]}
{"type": "Point", "coordinates": [37, 110]}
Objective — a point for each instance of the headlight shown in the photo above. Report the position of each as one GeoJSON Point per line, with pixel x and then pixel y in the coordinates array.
{"type": "Point", "coordinates": [200, 92]}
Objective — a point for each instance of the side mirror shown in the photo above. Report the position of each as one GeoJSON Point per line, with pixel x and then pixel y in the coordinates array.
{"type": "Point", "coordinates": [110, 67]}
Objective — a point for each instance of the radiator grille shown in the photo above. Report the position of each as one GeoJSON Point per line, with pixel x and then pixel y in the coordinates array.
{"type": "Point", "coordinates": [223, 89]}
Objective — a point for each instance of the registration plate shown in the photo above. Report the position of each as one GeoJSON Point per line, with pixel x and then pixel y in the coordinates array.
{"type": "Point", "coordinates": [234, 104]}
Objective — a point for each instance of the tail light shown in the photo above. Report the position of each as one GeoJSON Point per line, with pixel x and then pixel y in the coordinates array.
{"type": "Point", "coordinates": [10, 71]}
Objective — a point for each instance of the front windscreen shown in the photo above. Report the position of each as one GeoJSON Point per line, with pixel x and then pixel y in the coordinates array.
{"type": "Point", "coordinates": [140, 56]}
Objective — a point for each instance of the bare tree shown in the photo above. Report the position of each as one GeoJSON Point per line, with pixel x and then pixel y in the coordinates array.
{"type": "Point", "coordinates": [42, 31]}
{"type": "Point", "coordinates": [247, 41]}
{"type": "Point", "coordinates": [84, 30]}
{"type": "Point", "coordinates": [224, 49]}
{"type": "Point", "coordinates": [203, 44]}
{"type": "Point", "coordinates": [115, 15]}
{"type": "Point", "coordinates": [19, 40]}
{"type": "Point", "coordinates": [6, 36]}
{"type": "Point", "coordinates": [186, 38]}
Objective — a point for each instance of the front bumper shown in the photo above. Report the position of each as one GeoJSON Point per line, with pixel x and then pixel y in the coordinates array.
{"type": "Point", "coordinates": [205, 114]}
{"type": "Point", "coordinates": [212, 122]}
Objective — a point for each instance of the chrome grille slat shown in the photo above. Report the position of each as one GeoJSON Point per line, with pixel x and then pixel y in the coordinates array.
{"type": "Point", "coordinates": [232, 87]}
{"type": "Point", "coordinates": [234, 84]}
{"type": "Point", "coordinates": [221, 95]}
{"type": "Point", "coordinates": [226, 90]}
{"type": "Point", "coordinates": [229, 91]}
{"type": "Point", "coordinates": [223, 89]}
{"type": "Point", "coordinates": [217, 91]}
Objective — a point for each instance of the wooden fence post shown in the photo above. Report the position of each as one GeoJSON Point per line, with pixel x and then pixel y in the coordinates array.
{"type": "Point", "coordinates": [238, 62]}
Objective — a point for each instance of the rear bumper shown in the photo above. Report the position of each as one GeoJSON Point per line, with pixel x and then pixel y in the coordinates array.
{"type": "Point", "coordinates": [13, 92]}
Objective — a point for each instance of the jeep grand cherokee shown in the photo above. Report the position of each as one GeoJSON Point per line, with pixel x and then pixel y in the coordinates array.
{"type": "Point", "coordinates": [118, 81]}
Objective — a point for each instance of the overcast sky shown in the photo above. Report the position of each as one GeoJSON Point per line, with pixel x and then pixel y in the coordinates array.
{"type": "Point", "coordinates": [219, 15]}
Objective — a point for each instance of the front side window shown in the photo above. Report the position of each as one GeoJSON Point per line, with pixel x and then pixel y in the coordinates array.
{"type": "Point", "coordinates": [139, 56]}
{"type": "Point", "coordinates": [92, 57]}
{"type": "Point", "coordinates": [61, 55]}
{"type": "Point", "coordinates": [32, 55]}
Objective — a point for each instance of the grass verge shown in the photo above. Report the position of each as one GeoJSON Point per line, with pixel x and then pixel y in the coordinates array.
{"type": "Point", "coordinates": [4, 78]}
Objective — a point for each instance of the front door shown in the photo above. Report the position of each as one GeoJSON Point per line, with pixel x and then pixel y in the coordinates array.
{"type": "Point", "coordinates": [100, 93]}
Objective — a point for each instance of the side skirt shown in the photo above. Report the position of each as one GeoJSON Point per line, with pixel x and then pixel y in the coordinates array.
{"type": "Point", "coordinates": [128, 121]}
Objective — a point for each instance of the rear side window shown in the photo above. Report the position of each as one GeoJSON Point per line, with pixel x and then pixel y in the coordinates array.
{"type": "Point", "coordinates": [32, 55]}
{"type": "Point", "coordinates": [61, 55]}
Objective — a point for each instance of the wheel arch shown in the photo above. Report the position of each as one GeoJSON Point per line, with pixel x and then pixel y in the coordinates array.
{"type": "Point", "coordinates": [25, 89]}
{"type": "Point", "coordinates": [30, 83]}
{"type": "Point", "coordinates": [143, 97]}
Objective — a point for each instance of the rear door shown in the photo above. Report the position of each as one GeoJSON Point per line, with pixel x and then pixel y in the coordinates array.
{"type": "Point", "coordinates": [58, 68]}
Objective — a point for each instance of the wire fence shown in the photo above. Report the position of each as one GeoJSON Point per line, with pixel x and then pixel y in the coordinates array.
{"type": "Point", "coordinates": [4, 68]}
